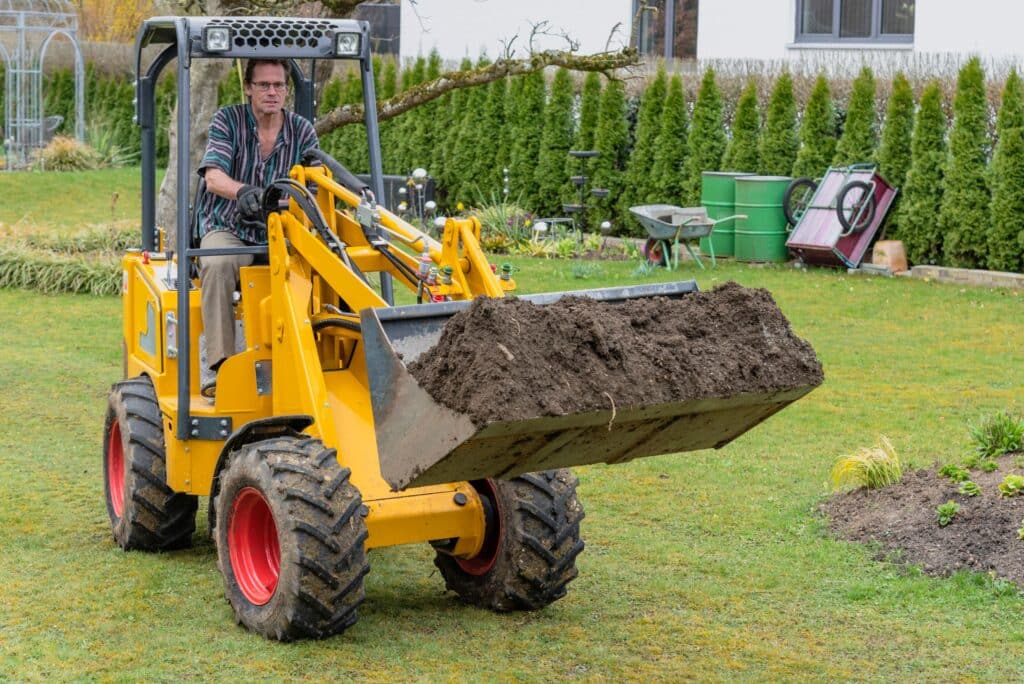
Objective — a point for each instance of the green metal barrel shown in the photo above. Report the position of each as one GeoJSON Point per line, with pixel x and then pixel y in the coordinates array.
{"type": "Point", "coordinates": [762, 235]}
{"type": "Point", "coordinates": [718, 196]}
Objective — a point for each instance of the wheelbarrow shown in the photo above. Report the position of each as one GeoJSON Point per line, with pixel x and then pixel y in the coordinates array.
{"type": "Point", "coordinates": [668, 226]}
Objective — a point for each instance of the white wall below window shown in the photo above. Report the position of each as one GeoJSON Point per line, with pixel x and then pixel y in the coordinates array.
{"type": "Point", "coordinates": [465, 28]}
{"type": "Point", "coordinates": [765, 30]}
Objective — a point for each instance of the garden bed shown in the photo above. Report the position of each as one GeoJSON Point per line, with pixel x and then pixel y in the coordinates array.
{"type": "Point", "coordinates": [902, 519]}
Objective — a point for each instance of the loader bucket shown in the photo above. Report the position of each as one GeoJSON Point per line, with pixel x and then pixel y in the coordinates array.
{"type": "Point", "coordinates": [422, 442]}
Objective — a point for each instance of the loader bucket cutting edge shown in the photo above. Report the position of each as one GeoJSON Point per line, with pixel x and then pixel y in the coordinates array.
{"type": "Point", "coordinates": [422, 442]}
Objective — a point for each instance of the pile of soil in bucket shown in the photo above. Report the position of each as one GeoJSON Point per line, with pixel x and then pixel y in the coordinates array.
{"type": "Point", "coordinates": [901, 519]}
{"type": "Point", "coordinates": [510, 359]}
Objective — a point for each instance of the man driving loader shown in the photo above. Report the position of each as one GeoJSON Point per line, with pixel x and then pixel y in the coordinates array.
{"type": "Point", "coordinates": [250, 145]}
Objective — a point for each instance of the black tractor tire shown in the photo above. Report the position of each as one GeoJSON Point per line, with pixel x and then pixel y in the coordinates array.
{"type": "Point", "coordinates": [532, 541]}
{"type": "Point", "coordinates": [291, 539]}
{"type": "Point", "coordinates": [797, 198]}
{"type": "Point", "coordinates": [145, 514]}
{"type": "Point", "coordinates": [847, 209]}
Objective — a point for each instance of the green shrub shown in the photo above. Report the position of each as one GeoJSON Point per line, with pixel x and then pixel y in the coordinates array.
{"type": "Point", "coordinates": [639, 180]}
{"type": "Point", "coordinates": [612, 141]}
{"type": "Point", "coordinates": [552, 182]}
{"type": "Point", "coordinates": [706, 143]}
{"type": "Point", "coordinates": [870, 467]}
{"type": "Point", "coordinates": [817, 133]}
{"type": "Point", "coordinates": [526, 145]}
{"type": "Point", "coordinates": [590, 106]}
{"type": "Point", "coordinates": [1006, 177]}
{"type": "Point", "coordinates": [743, 153]}
{"type": "Point", "coordinates": [505, 219]}
{"type": "Point", "coordinates": [671, 148]}
{"type": "Point", "coordinates": [989, 466]}
{"type": "Point", "coordinates": [779, 142]}
{"type": "Point", "coordinates": [922, 196]}
{"type": "Point", "coordinates": [894, 152]}
{"type": "Point", "coordinates": [946, 512]}
{"type": "Point", "coordinates": [491, 158]}
{"type": "Point", "coordinates": [964, 217]}
{"type": "Point", "coordinates": [1000, 433]}
{"type": "Point", "coordinates": [860, 131]}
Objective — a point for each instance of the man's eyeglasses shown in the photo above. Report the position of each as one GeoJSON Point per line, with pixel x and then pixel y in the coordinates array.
{"type": "Point", "coordinates": [267, 85]}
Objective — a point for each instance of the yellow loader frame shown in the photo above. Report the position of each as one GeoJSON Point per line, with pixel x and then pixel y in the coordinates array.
{"type": "Point", "coordinates": [290, 336]}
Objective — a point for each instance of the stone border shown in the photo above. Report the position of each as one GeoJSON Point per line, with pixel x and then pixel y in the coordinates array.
{"type": "Point", "coordinates": [969, 276]}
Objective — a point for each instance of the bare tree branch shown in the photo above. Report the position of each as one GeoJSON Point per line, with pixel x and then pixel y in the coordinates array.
{"type": "Point", "coordinates": [605, 62]}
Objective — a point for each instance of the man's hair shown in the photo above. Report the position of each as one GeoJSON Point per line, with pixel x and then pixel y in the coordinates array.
{"type": "Point", "coordinates": [253, 63]}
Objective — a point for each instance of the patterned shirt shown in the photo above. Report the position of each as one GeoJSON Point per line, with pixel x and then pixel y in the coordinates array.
{"type": "Point", "coordinates": [234, 148]}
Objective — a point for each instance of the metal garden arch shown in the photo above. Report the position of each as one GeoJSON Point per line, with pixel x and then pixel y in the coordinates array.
{"type": "Point", "coordinates": [27, 29]}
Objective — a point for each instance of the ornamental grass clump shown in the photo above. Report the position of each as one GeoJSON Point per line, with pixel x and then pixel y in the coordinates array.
{"type": "Point", "coordinates": [54, 273]}
{"type": "Point", "coordinates": [67, 154]}
{"type": "Point", "coordinates": [1000, 433]}
{"type": "Point", "coordinates": [871, 467]}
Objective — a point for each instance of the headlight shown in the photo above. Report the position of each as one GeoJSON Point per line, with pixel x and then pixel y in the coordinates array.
{"type": "Point", "coordinates": [216, 38]}
{"type": "Point", "coordinates": [346, 44]}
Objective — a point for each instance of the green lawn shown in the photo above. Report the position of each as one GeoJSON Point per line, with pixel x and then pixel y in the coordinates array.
{"type": "Point", "coordinates": [704, 566]}
{"type": "Point", "coordinates": [70, 199]}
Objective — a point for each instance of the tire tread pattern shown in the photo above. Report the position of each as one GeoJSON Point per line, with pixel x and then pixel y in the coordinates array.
{"type": "Point", "coordinates": [323, 537]}
{"type": "Point", "coordinates": [154, 517]}
{"type": "Point", "coordinates": [540, 516]}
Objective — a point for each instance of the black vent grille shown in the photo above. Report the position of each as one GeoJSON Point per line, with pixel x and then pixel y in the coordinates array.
{"type": "Point", "coordinates": [256, 33]}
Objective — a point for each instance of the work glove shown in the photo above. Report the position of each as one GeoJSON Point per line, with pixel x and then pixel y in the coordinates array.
{"type": "Point", "coordinates": [249, 200]}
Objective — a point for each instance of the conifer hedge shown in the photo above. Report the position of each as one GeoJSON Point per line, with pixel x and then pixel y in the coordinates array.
{"type": "Point", "coordinates": [959, 206]}
{"type": "Point", "coordinates": [779, 142]}
{"type": "Point", "coordinates": [964, 217]}
{"type": "Point", "coordinates": [743, 154]}
{"type": "Point", "coordinates": [817, 133]}
{"type": "Point", "coordinates": [918, 215]}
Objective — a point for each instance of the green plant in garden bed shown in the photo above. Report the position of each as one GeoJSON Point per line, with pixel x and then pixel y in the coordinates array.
{"type": "Point", "coordinates": [1000, 433]}
{"type": "Point", "coordinates": [870, 467]}
{"type": "Point", "coordinates": [989, 466]}
{"type": "Point", "coordinates": [970, 488]}
{"type": "Point", "coordinates": [1011, 485]}
{"type": "Point", "coordinates": [954, 472]}
{"type": "Point", "coordinates": [946, 512]}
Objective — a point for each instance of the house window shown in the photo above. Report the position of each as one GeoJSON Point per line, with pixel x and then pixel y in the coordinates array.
{"type": "Point", "coordinates": [666, 28]}
{"type": "Point", "coordinates": [860, 21]}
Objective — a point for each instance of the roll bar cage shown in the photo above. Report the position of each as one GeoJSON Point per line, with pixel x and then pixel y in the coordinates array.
{"type": "Point", "coordinates": [289, 38]}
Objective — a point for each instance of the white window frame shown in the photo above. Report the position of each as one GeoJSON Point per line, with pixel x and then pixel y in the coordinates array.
{"type": "Point", "coordinates": [834, 37]}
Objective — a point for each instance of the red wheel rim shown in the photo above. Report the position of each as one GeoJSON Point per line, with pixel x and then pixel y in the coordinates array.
{"type": "Point", "coordinates": [253, 547]}
{"type": "Point", "coordinates": [481, 563]}
{"type": "Point", "coordinates": [115, 469]}
{"type": "Point", "coordinates": [655, 252]}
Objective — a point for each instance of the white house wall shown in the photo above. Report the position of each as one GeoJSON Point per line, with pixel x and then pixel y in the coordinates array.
{"type": "Point", "coordinates": [765, 30]}
{"type": "Point", "coordinates": [465, 28]}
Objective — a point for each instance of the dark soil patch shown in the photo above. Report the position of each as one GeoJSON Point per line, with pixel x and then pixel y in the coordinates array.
{"type": "Point", "coordinates": [510, 359]}
{"type": "Point", "coordinates": [901, 518]}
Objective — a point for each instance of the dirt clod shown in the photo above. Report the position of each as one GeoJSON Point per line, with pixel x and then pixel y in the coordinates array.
{"type": "Point", "coordinates": [510, 359]}
{"type": "Point", "coordinates": [901, 518]}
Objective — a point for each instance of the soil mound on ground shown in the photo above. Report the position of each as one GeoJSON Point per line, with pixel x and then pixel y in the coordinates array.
{"type": "Point", "coordinates": [901, 518]}
{"type": "Point", "coordinates": [510, 359]}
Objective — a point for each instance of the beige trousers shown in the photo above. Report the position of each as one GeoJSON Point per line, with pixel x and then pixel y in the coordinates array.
{"type": "Point", "coordinates": [219, 278]}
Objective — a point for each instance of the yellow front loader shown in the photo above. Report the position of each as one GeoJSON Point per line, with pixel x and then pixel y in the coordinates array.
{"type": "Point", "coordinates": [319, 444]}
